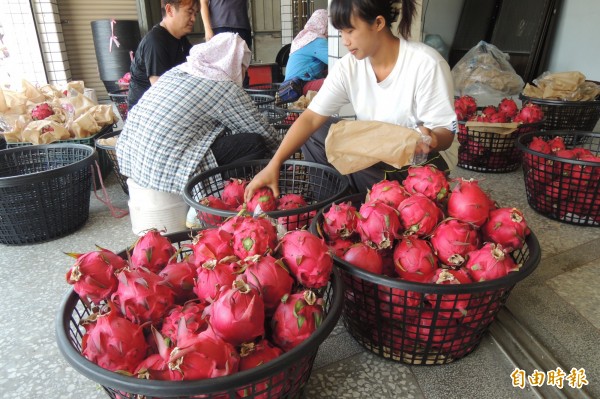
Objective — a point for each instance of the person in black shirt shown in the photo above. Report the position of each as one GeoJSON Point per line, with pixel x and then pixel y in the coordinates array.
{"type": "Point", "coordinates": [164, 47]}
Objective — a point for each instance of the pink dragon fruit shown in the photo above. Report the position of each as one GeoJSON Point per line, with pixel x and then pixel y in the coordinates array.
{"type": "Point", "coordinates": [397, 303]}
{"type": "Point", "coordinates": [263, 197]}
{"type": "Point", "coordinates": [469, 203]}
{"type": "Point", "coordinates": [41, 111]}
{"type": "Point", "coordinates": [192, 314]}
{"type": "Point", "coordinates": [452, 240]}
{"type": "Point", "coordinates": [340, 221]}
{"type": "Point", "coordinates": [214, 203]}
{"type": "Point", "coordinates": [152, 251]}
{"type": "Point", "coordinates": [507, 227]}
{"type": "Point", "coordinates": [509, 107]}
{"type": "Point", "coordinates": [556, 144]}
{"type": "Point", "coordinates": [180, 277]}
{"type": "Point", "coordinates": [296, 318]}
{"type": "Point", "coordinates": [297, 221]}
{"type": "Point", "coordinates": [238, 314]}
{"type": "Point", "coordinates": [489, 263]}
{"type": "Point", "coordinates": [271, 277]}
{"type": "Point", "coordinates": [540, 145]}
{"type": "Point", "coordinates": [211, 246]}
{"type": "Point", "coordinates": [413, 255]}
{"type": "Point", "coordinates": [530, 113]}
{"type": "Point", "coordinates": [339, 246]}
{"type": "Point", "coordinates": [498, 117]}
{"type": "Point", "coordinates": [419, 215]}
{"type": "Point", "coordinates": [427, 180]}
{"type": "Point", "coordinates": [254, 236]}
{"type": "Point", "coordinates": [307, 257]}
{"type": "Point", "coordinates": [113, 342]}
{"type": "Point", "coordinates": [452, 305]}
{"type": "Point", "coordinates": [489, 111]}
{"type": "Point", "coordinates": [431, 330]}
{"type": "Point", "coordinates": [389, 192]}
{"type": "Point", "coordinates": [363, 256]}
{"type": "Point", "coordinates": [211, 277]}
{"type": "Point", "coordinates": [92, 275]}
{"type": "Point", "coordinates": [142, 295]}
{"type": "Point", "coordinates": [378, 224]}
{"type": "Point", "coordinates": [465, 107]}
{"type": "Point", "coordinates": [233, 192]}
{"type": "Point", "coordinates": [256, 354]}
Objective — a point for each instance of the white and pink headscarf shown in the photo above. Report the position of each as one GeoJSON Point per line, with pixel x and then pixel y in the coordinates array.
{"type": "Point", "coordinates": [315, 27]}
{"type": "Point", "coordinates": [224, 57]}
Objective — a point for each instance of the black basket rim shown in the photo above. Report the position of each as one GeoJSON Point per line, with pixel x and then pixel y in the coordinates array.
{"type": "Point", "coordinates": [84, 140]}
{"type": "Point", "coordinates": [526, 138]}
{"type": "Point", "coordinates": [106, 136]}
{"type": "Point", "coordinates": [545, 101]}
{"type": "Point", "coordinates": [268, 97]}
{"type": "Point", "coordinates": [522, 125]}
{"type": "Point", "coordinates": [510, 280]}
{"type": "Point", "coordinates": [196, 387]}
{"type": "Point", "coordinates": [289, 110]}
{"type": "Point", "coordinates": [12, 181]}
{"type": "Point", "coordinates": [119, 93]}
{"type": "Point", "coordinates": [187, 191]}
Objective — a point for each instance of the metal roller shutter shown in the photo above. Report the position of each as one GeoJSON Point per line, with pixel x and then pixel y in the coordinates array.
{"type": "Point", "coordinates": [76, 16]}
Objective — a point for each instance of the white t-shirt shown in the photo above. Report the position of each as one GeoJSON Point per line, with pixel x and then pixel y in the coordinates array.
{"type": "Point", "coordinates": [419, 90]}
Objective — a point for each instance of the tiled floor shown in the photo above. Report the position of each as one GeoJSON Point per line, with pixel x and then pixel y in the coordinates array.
{"type": "Point", "coordinates": [557, 305]}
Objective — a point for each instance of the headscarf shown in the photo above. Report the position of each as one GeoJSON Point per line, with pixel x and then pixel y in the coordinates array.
{"type": "Point", "coordinates": [221, 58]}
{"type": "Point", "coordinates": [315, 27]}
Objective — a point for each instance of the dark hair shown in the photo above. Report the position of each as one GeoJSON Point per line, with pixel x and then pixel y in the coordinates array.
{"type": "Point", "coordinates": [176, 4]}
{"type": "Point", "coordinates": [341, 11]}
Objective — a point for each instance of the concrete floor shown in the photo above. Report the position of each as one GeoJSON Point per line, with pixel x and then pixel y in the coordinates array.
{"type": "Point", "coordinates": [552, 319]}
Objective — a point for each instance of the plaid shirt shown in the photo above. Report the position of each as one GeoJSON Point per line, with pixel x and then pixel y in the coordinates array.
{"type": "Point", "coordinates": [167, 137]}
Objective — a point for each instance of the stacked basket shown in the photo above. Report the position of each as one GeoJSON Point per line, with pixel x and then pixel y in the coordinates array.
{"type": "Point", "coordinates": [119, 97]}
{"type": "Point", "coordinates": [110, 153]}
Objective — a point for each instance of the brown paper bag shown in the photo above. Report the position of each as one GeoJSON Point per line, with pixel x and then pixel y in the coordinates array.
{"type": "Point", "coordinates": [355, 145]}
{"type": "Point", "coordinates": [44, 132]}
{"type": "Point", "coordinates": [12, 102]}
{"type": "Point", "coordinates": [76, 85]}
{"type": "Point", "coordinates": [32, 93]}
{"type": "Point", "coordinates": [103, 114]}
{"type": "Point", "coordinates": [50, 92]}
{"type": "Point", "coordinates": [487, 127]}
{"type": "Point", "coordinates": [84, 126]}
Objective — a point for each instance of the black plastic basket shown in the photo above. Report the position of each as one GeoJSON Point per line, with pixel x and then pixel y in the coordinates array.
{"type": "Point", "coordinates": [284, 377]}
{"type": "Point", "coordinates": [392, 318]}
{"type": "Point", "coordinates": [110, 153]}
{"type": "Point", "coordinates": [269, 89]}
{"type": "Point", "coordinates": [487, 152]}
{"type": "Point", "coordinates": [274, 116]}
{"type": "Point", "coordinates": [318, 184]}
{"type": "Point", "coordinates": [291, 113]}
{"type": "Point", "coordinates": [263, 100]}
{"type": "Point", "coordinates": [44, 191]}
{"type": "Point", "coordinates": [567, 115]}
{"type": "Point", "coordinates": [119, 97]}
{"type": "Point", "coordinates": [562, 189]}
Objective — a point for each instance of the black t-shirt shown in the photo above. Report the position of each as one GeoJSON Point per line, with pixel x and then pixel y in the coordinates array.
{"type": "Point", "coordinates": [158, 52]}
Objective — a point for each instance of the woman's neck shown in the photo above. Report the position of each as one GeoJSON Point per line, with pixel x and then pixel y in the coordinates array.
{"type": "Point", "coordinates": [385, 58]}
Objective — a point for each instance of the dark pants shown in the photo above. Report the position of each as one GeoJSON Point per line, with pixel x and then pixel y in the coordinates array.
{"type": "Point", "coordinates": [239, 148]}
{"type": "Point", "coordinates": [314, 150]}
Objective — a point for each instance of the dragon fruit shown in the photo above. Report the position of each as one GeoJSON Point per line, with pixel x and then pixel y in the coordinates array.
{"type": "Point", "coordinates": [378, 224]}
{"type": "Point", "coordinates": [469, 203]}
{"type": "Point", "coordinates": [292, 222]}
{"type": "Point", "coordinates": [419, 215]}
{"type": "Point", "coordinates": [339, 246]}
{"type": "Point", "coordinates": [507, 227]}
{"type": "Point", "coordinates": [142, 295]}
{"type": "Point", "coordinates": [540, 145]}
{"type": "Point", "coordinates": [489, 263]}
{"type": "Point", "coordinates": [211, 277]}
{"type": "Point", "coordinates": [413, 255]}
{"type": "Point", "coordinates": [530, 113]}
{"type": "Point", "coordinates": [233, 192]}
{"type": "Point", "coordinates": [271, 277]}
{"type": "Point", "coordinates": [340, 221]}
{"type": "Point", "coordinates": [254, 236]}
{"type": "Point", "coordinates": [180, 277]}
{"type": "Point", "coordinates": [452, 240]}
{"type": "Point", "coordinates": [152, 251]}
{"type": "Point", "coordinates": [556, 144]}
{"type": "Point", "coordinates": [427, 180]}
{"type": "Point", "coordinates": [431, 330]}
{"type": "Point", "coordinates": [214, 203]}
{"type": "Point", "coordinates": [296, 318]}
{"type": "Point", "coordinates": [92, 275]}
{"type": "Point", "coordinates": [465, 107]}
{"type": "Point", "coordinates": [488, 111]}
{"type": "Point", "coordinates": [263, 197]}
{"type": "Point", "coordinates": [256, 354]}
{"type": "Point", "coordinates": [451, 305]}
{"type": "Point", "coordinates": [389, 192]}
{"type": "Point", "coordinates": [498, 117]}
{"type": "Point", "coordinates": [41, 111]}
{"type": "Point", "coordinates": [398, 303]}
{"type": "Point", "coordinates": [363, 256]}
{"type": "Point", "coordinates": [192, 314]}
{"type": "Point", "coordinates": [509, 107]}
{"type": "Point", "coordinates": [211, 246]}
{"type": "Point", "coordinates": [238, 314]}
{"type": "Point", "coordinates": [307, 257]}
{"type": "Point", "coordinates": [113, 342]}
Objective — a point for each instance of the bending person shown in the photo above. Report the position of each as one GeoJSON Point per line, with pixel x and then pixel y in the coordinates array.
{"type": "Point", "coordinates": [385, 78]}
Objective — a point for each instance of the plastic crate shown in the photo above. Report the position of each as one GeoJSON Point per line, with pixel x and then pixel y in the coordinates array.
{"type": "Point", "coordinates": [562, 189]}
{"type": "Point", "coordinates": [567, 115]}
{"type": "Point", "coordinates": [318, 184]}
{"type": "Point", "coordinates": [119, 97]}
{"type": "Point", "coordinates": [394, 319]}
{"type": "Point", "coordinates": [110, 153]}
{"type": "Point", "coordinates": [490, 152]}
{"type": "Point", "coordinates": [44, 191]}
{"type": "Point", "coordinates": [263, 101]}
{"type": "Point", "coordinates": [283, 377]}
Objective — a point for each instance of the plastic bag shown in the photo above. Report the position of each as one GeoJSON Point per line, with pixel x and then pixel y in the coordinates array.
{"type": "Point", "coordinates": [485, 70]}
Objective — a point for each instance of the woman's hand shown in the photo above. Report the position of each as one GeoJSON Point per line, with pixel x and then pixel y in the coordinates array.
{"type": "Point", "coordinates": [268, 177]}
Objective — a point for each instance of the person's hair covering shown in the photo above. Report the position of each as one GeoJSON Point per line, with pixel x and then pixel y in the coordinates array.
{"type": "Point", "coordinates": [315, 27]}
{"type": "Point", "coordinates": [224, 57]}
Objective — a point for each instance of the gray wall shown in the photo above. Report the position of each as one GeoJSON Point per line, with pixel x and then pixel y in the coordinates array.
{"type": "Point", "coordinates": [441, 17]}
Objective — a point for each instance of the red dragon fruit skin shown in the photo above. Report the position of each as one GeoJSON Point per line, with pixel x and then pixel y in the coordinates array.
{"type": "Point", "coordinates": [363, 256]}
{"type": "Point", "coordinates": [507, 227]}
{"type": "Point", "coordinates": [378, 224]}
{"type": "Point", "coordinates": [398, 303]}
{"type": "Point", "coordinates": [211, 277]}
{"type": "Point", "coordinates": [413, 255]}
{"type": "Point", "coordinates": [296, 318]}
{"type": "Point", "coordinates": [339, 221]}
{"type": "Point", "coordinates": [292, 222]}
{"type": "Point", "coordinates": [339, 246]}
{"type": "Point", "coordinates": [92, 275]}
{"type": "Point", "coordinates": [256, 354]}
{"type": "Point", "coordinates": [180, 278]}
{"type": "Point", "coordinates": [530, 113]}
{"type": "Point", "coordinates": [307, 257]}
{"type": "Point", "coordinates": [427, 180]}
{"type": "Point", "coordinates": [271, 277]}
{"type": "Point", "coordinates": [233, 192]}
{"type": "Point", "coordinates": [192, 314]}
{"type": "Point", "coordinates": [452, 240]}
{"type": "Point", "coordinates": [419, 215]}
{"type": "Point", "coordinates": [469, 203]}
{"type": "Point", "coordinates": [489, 263]}
{"type": "Point", "coordinates": [508, 107]}
{"type": "Point", "coordinates": [113, 342]}
{"type": "Point", "coordinates": [211, 246]}
{"type": "Point", "coordinates": [450, 305]}
{"type": "Point", "coordinates": [152, 251]}
{"type": "Point", "coordinates": [263, 197]}
{"type": "Point", "coordinates": [253, 236]}
{"type": "Point", "coordinates": [215, 203]}
{"type": "Point", "coordinates": [41, 111]}
{"type": "Point", "coordinates": [389, 192]}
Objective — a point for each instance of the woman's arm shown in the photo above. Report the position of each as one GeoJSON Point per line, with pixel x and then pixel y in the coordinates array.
{"type": "Point", "coordinates": [205, 12]}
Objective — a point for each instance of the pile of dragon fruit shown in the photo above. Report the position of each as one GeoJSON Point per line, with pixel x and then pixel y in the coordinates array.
{"type": "Point", "coordinates": [234, 298]}
{"type": "Point", "coordinates": [507, 111]}
{"type": "Point", "coordinates": [232, 199]}
{"type": "Point", "coordinates": [422, 231]}
{"type": "Point", "coordinates": [565, 186]}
